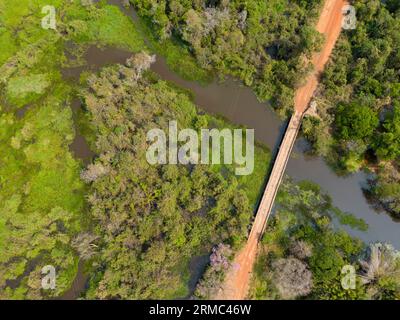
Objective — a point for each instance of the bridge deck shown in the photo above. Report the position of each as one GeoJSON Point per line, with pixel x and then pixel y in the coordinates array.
{"type": "Point", "coordinates": [245, 258]}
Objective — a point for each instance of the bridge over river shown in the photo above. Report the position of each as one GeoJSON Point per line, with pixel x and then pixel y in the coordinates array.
{"type": "Point", "coordinates": [237, 280]}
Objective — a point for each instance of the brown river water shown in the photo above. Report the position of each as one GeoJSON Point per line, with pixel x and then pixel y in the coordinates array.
{"type": "Point", "coordinates": [239, 105]}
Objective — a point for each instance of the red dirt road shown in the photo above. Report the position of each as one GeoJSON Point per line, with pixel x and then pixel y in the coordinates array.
{"type": "Point", "coordinates": [329, 24]}
{"type": "Point", "coordinates": [237, 280]}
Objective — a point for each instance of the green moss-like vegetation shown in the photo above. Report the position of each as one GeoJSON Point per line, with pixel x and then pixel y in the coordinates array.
{"type": "Point", "coordinates": [42, 205]}
{"type": "Point", "coordinates": [105, 25]}
{"type": "Point", "coordinates": [41, 198]}
{"type": "Point", "coordinates": [22, 90]}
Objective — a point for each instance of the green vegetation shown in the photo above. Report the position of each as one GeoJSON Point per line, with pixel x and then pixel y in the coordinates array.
{"type": "Point", "coordinates": [177, 56]}
{"type": "Point", "coordinates": [20, 88]}
{"type": "Point", "coordinates": [348, 219]}
{"type": "Point", "coordinates": [44, 206]}
{"type": "Point", "coordinates": [213, 277]}
{"type": "Point", "coordinates": [355, 122]}
{"type": "Point", "coordinates": [263, 43]}
{"type": "Point", "coordinates": [137, 226]}
{"type": "Point", "coordinates": [41, 198]}
{"type": "Point", "coordinates": [358, 101]}
{"type": "Point", "coordinates": [302, 255]}
{"type": "Point", "coordinates": [105, 25]}
{"type": "Point", "coordinates": [388, 142]}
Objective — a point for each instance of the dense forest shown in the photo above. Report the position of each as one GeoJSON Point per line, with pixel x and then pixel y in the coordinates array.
{"type": "Point", "coordinates": [358, 102]}
{"type": "Point", "coordinates": [152, 219]}
{"type": "Point", "coordinates": [264, 43]}
{"type": "Point", "coordinates": [307, 254]}
{"type": "Point", "coordinates": [302, 255]}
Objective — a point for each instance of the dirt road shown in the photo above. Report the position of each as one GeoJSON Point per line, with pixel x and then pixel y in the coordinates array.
{"type": "Point", "coordinates": [329, 24]}
{"type": "Point", "coordinates": [238, 278]}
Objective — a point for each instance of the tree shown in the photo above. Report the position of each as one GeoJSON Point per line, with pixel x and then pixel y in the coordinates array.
{"type": "Point", "coordinates": [193, 30]}
{"type": "Point", "coordinates": [355, 121]}
{"type": "Point", "coordinates": [93, 172]}
{"type": "Point", "coordinates": [326, 263]}
{"type": "Point", "coordinates": [83, 243]}
{"type": "Point", "coordinates": [152, 218]}
{"type": "Point", "coordinates": [213, 278]}
{"type": "Point", "coordinates": [392, 5]}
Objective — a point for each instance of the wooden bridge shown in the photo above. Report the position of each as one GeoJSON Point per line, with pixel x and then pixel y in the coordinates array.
{"type": "Point", "coordinates": [238, 278]}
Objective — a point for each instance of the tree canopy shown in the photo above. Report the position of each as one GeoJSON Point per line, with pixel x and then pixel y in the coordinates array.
{"type": "Point", "coordinates": [358, 99]}
{"type": "Point", "coordinates": [355, 121]}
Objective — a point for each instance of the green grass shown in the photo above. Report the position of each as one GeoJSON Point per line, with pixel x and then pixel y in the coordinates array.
{"type": "Point", "coordinates": [7, 43]}
{"type": "Point", "coordinates": [254, 183]}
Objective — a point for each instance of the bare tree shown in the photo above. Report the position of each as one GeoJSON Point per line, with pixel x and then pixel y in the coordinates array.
{"type": "Point", "coordinates": [382, 260]}
{"type": "Point", "coordinates": [292, 278]}
{"type": "Point", "coordinates": [93, 172]}
{"type": "Point", "coordinates": [214, 17]}
{"type": "Point", "coordinates": [140, 62]}
{"type": "Point", "coordinates": [300, 249]}
{"type": "Point", "coordinates": [83, 243]}
{"type": "Point", "coordinates": [242, 19]}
